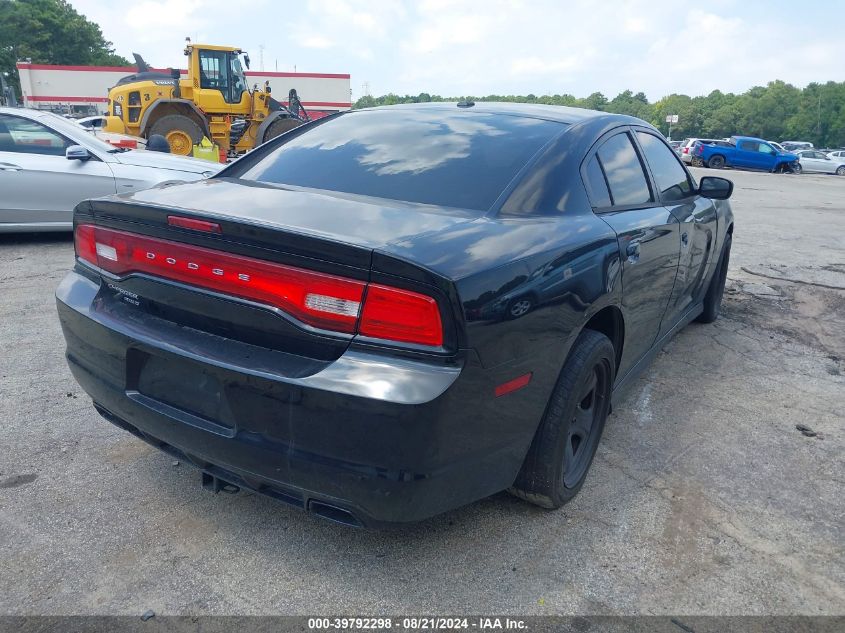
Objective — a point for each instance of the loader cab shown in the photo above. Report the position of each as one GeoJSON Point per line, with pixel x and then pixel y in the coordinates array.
{"type": "Point", "coordinates": [219, 77]}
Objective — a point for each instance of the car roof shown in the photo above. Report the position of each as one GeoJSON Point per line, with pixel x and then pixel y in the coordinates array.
{"type": "Point", "coordinates": [750, 138]}
{"type": "Point", "coordinates": [561, 114]}
{"type": "Point", "coordinates": [30, 113]}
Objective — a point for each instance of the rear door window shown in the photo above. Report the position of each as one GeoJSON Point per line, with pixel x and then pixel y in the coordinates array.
{"type": "Point", "coordinates": [671, 178]}
{"type": "Point", "coordinates": [596, 184]}
{"type": "Point", "coordinates": [624, 172]}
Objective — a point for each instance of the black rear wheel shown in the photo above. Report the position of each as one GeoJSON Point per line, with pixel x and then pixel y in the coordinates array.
{"type": "Point", "coordinates": [565, 443]}
{"type": "Point", "coordinates": [717, 162]}
{"type": "Point", "coordinates": [716, 289]}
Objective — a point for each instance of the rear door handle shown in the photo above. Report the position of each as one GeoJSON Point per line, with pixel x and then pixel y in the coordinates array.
{"type": "Point", "coordinates": [10, 167]}
{"type": "Point", "coordinates": [685, 239]}
{"type": "Point", "coordinates": [633, 251]}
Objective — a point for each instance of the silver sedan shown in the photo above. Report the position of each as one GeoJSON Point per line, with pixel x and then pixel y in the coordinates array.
{"type": "Point", "coordinates": [812, 160]}
{"type": "Point", "coordinates": [49, 164]}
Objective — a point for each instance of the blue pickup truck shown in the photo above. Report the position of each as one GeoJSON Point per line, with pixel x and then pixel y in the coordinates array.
{"type": "Point", "coordinates": [748, 153]}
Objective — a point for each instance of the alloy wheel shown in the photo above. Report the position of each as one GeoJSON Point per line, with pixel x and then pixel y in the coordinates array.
{"type": "Point", "coordinates": [589, 411]}
{"type": "Point", "coordinates": [520, 308]}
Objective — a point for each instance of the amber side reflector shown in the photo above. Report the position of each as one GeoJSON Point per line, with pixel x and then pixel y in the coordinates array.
{"type": "Point", "coordinates": [513, 385]}
{"type": "Point", "coordinates": [195, 225]}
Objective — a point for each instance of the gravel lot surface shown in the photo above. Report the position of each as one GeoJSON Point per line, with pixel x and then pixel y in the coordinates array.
{"type": "Point", "coordinates": [704, 497]}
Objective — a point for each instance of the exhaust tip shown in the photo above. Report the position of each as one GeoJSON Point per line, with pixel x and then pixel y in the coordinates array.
{"type": "Point", "coordinates": [333, 513]}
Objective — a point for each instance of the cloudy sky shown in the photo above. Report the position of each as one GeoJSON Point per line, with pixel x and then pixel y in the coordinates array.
{"type": "Point", "coordinates": [457, 47]}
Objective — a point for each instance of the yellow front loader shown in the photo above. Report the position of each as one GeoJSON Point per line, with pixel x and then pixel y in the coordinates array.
{"type": "Point", "coordinates": [214, 100]}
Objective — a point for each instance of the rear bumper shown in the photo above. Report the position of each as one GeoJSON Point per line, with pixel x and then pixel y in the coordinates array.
{"type": "Point", "coordinates": [381, 438]}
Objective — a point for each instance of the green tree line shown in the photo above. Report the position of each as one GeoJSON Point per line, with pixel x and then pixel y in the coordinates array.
{"type": "Point", "coordinates": [778, 111]}
{"type": "Point", "coordinates": [50, 32]}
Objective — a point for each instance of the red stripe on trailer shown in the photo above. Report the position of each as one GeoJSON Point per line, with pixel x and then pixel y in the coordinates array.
{"type": "Point", "coordinates": [66, 99]}
{"type": "Point", "coordinates": [132, 70]}
{"type": "Point", "coordinates": [310, 104]}
{"type": "Point", "coordinates": [267, 73]}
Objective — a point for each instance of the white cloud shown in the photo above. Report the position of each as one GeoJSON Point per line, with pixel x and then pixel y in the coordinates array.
{"type": "Point", "coordinates": [459, 47]}
{"type": "Point", "coordinates": [316, 41]}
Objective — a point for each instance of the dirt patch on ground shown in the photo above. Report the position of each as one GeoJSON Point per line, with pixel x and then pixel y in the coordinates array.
{"type": "Point", "coordinates": [810, 315]}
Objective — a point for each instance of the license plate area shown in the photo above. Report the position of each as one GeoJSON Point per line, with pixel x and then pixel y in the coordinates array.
{"type": "Point", "coordinates": [190, 392]}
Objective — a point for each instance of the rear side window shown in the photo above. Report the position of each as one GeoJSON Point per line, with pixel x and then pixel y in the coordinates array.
{"type": "Point", "coordinates": [596, 184]}
{"type": "Point", "coordinates": [623, 171]}
{"type": "Point", "coordinates": [671, 178]}
{"type": "Point", "coordinates": [749, 146]}
{"type": "Point", "coordinates": [459, 158]}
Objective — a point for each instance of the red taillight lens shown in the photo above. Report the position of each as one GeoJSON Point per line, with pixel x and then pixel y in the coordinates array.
{"type": "Point", "coordinates": [686, 150]}
{"type": "Point", "coordinates": [85, 242]}
{"type": "Point", "coordinates": [320, 300]}
{"type": "Point", "coordinates": [401, 315]}
{"type": "Point", "coordinates": [317, 299]}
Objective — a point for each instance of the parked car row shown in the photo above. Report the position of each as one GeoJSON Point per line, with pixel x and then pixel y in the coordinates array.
{"type": "Point", "coordinates": [747, 152]}
{"type": "Point", "coordinates": [49, 164]}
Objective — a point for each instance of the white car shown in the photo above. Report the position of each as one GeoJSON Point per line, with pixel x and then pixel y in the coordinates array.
{"type": "Point", "coordinates": [95, 125]}
{"type": "Point", "coordinates": [812, 160]}
{"type": "Point", "coordinates": [49, 164]}
{"type": "Point", "coordinates": [796, 146]}
{"type": "Point", "coordinates": [837, 155]}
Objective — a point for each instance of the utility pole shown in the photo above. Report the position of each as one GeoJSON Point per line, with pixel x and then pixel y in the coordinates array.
{"type": "Point", "coordinates": [261, 57]}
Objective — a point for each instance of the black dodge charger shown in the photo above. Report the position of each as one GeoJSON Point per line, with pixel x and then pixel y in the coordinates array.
{"type": "Point", "coordinates": [388, 313]}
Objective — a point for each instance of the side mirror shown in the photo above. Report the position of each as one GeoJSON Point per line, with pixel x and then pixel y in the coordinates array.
{"type": "Point", "coordinates": [77, 152]}
{"type": "Point", "coordinates": [246, 61]}
{"type": "Point", "coordinates": [715, 188]}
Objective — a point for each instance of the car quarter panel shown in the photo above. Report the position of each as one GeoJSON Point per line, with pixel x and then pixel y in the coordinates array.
{"type": "Point", "coordinates": [387, 454]}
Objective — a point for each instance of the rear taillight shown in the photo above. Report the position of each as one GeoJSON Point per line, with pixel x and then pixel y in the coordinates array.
{"type": "Point", "coordinates": [323, 301]}
{"type": "Point", "coordinates": [686, 150]}
{"type": "Point", "coordinates": [401, 315]}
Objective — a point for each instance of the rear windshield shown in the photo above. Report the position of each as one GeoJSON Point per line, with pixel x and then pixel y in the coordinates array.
{"type": "Point", "coordinates": [455, 159]}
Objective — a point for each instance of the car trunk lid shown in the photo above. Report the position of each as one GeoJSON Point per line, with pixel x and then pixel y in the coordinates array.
{"type": "Point", "coordinates": [208, 256]}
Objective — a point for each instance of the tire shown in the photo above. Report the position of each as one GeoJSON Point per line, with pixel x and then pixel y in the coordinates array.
{"type": "Point", "coordinates": [280, 126]}
{"type": "Point", "coordinates": [696, 162]}
{"type": "Point", "coordinates": [519, 307]}
{"type": "Point", "coordinates": [717, 162]}
{"type": "Point", "coordinates": [716, 289]}
{"type": "Point", "coordinates": [794, 169]}
{"type": "Point", "coordinates": [840, 171]}
{"type": "Point", "coordinates": [563, 448]}
{"type": "Point", "coordinates": [181, 132]}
